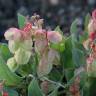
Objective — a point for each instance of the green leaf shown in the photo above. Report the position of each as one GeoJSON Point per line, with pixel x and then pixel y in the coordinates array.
{"type": "Point", "coordinates": [11, 79]}
{"type": "Point", "coordinates": [66, 56]}
{"type": "Point", "coordinates": [77, 53]}
{"type": "Point", "coordinates": [73, 28]}
{"type": "Point", "coordinates": [78, 57]}
{"type": "Point", "coordinates": [83, 37]}
{"type": "Point", "coordinates": [54, 93]}
{"type": "Point", "coordinates": [59, 47]}
{"type": "Point", "coordinates": [59, 30]}
{"type": "Point", "coordinates": [24, 70]}
{"type": "Point", "coordinates": [34, 89]}
{"type": "Point", "coordinates": [69, 74]}
{"type": "Point", "coordinates": [55, 74]}
{"type": "Point", "coordinates": [4, 51]}
{"type": "Point", "coordinates": [84, 34]}
{"type": "Point", "coordinates": [34, 63]}
{"type": "Point", "coordinates": [90, 87]}
{"type": "Point", "coordinates": [29, 68]}
{"type": "Point", "coordinates": [21, 20]}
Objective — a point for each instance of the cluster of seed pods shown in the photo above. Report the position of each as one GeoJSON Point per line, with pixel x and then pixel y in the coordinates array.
{"type": "Point", "coordinates": [21, 42]}
{"type": "Point", "coordinates": [92, 38]}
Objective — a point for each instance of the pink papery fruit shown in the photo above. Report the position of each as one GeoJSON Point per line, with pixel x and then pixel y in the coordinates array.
{"type": "Point", "coordinates": [13, 34]}
{"type": "Point", "coordinates": [41, 41]}
{"type": "Point", "coordinates": [22, 56]}
{"type": "Point", "coordinates": [44, 66]}
{"type": "Point", "coordinates": [53, 57]}
{"type": "Point", "coordinates": [54, 37]}
{"type": "Point", "coordinates": [47, 61]}
{"type": "Point", "coordinates": [40, 45]}
{"type": "Point", "coordinates": [92, 26]}
{"type": "Point", "coordinates": [40, 34]}
{"type": "Point", "coordinates": [94, 14]}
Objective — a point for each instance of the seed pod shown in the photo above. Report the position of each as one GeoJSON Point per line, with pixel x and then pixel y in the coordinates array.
{"type": "Point", "coordinates": [54, 37]}
{"type": "Point", "coordinates": [13, 46]}
{"type": "Point", "coordinates": [11, 63]}
{"type": "Point", "coordinates": [92, 26]}
{"type": "Point", "coordinates": [94, 14]}
{"type": "Point", "coordinates": [13, 34]}
{"type": "Point", "coordinates": [22, 56]}
{"type": "Point", "coordinates": [27, 44]}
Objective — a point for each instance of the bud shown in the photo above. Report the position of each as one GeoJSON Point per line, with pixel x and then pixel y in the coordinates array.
{"type": "Point", "coordinates": [13, 34]}
{"type": "Point", "coordinates": [11, 63]}
{"type": "Point", "coordinates": [54, 37]}
{"type": "Point", "coordinates": [22, 56]}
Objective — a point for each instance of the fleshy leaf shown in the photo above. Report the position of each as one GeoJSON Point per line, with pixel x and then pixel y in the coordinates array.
{"type": "Point", "coordinates": [21, 20]}
{"type": "Point", "coordinates": [4, 51]}
{"type": "Point", "coordinates": [77, 53]}
{"type": "Point", "coordinates": [57, 29]}
{"type": "Point", "coordinates": [54, 93]}
{"type": "Point", "coordinates": [11, 79]}
{"type": "Point", "coordinates": [69, 74]}
{"type": "Point", "coordinates": [34, 89]}
{"type": "Point", "coordinates": [66, 56]}
{"type": "Point", "coordinates": [55, 75]}
{"type": "Point", "coordinates": [59, 47]}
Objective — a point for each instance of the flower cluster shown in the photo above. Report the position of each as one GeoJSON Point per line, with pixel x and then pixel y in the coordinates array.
{"type": "Point", "coordinates": [21, 42]}
{"type": "Point", "coordinates": [90, 43]}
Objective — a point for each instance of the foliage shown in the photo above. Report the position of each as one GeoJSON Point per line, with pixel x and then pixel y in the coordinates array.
{"type": "Point", "coordinates": [40, 62]}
